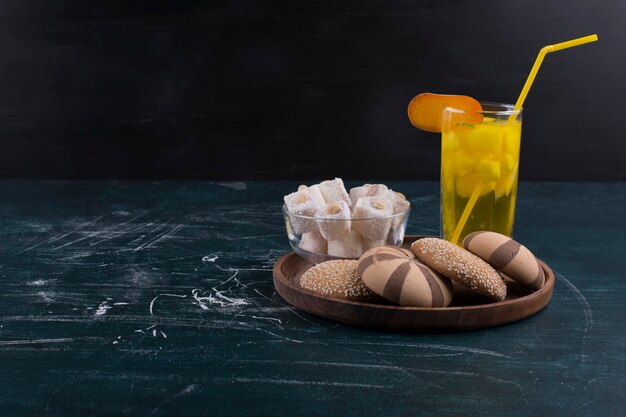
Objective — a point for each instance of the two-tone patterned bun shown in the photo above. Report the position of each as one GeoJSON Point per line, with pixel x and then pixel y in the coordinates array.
{"type": "Point", "coordinates": [460, 265]}
{"type": "Point", "coordinates": [394, 250]}
{"type": "Point", "coordinates": [394, 274]}
{"type": "Point", "coordinates": [507, 256]}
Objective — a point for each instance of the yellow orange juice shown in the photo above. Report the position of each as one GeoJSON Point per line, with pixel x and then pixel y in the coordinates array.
{"type": "Point", "coordinates": [479, 150]}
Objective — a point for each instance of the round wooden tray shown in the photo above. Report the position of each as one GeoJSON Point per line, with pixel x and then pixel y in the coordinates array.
{"type": "Point", "coordinates": [467, 311]}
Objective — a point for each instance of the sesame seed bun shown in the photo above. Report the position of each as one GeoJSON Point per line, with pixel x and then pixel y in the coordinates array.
{"type": "Point", "coordinates": [337, 278]}
{"type": "Point", "coordinates": [461, 266]}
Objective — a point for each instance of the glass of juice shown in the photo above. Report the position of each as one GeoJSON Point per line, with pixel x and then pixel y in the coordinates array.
{"type": "Point", "coordinates": [479, 149]}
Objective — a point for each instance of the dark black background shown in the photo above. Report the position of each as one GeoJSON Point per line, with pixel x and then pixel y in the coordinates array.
{"type": "Point", "coordinates": [297, 89]}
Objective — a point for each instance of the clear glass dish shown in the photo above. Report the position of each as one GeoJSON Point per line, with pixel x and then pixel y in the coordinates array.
{"type": "Point", "coordinates": [307, 241]}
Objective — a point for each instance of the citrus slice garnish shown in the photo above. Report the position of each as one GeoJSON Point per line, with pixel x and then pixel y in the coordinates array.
{"type": "Point", "coordinates": [426, 109]}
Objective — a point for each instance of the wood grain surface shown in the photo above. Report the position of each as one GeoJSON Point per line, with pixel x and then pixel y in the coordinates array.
{"type": "Point", "coordinates": [156, 299]}
{"type": "Point", "coordinates": [283, 89]}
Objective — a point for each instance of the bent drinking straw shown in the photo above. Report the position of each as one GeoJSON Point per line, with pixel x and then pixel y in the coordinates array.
{"type": "Point", "coordinates": [518, 105]}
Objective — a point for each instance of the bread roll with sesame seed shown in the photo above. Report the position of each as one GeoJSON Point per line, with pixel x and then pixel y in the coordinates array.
{"type": "Point", "coordinates": [460, 265]}
{"type": "Point", "coordinates": [396, 276]}
{"type": "Point", "coordinates": [337, 278]}
{"type": "Point", "coordinates": [507, 256]}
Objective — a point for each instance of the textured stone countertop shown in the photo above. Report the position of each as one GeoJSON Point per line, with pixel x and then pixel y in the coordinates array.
{"type": "Point", "coordinates": [156, 298]}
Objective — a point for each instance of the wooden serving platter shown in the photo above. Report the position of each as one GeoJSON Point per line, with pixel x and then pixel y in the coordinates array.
{"type": "Point", "coordinates": [467, 311]}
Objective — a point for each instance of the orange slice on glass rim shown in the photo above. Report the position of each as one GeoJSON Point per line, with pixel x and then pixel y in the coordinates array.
{"type": "Point", "coordinates": [426, 110]}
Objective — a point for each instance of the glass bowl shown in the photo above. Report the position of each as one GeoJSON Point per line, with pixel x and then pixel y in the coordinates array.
{"type": "Point", "coordinates": [350, 237]}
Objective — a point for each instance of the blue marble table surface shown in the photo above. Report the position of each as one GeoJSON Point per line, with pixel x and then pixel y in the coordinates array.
{"type": "Point", "coordinates": [156, 299]}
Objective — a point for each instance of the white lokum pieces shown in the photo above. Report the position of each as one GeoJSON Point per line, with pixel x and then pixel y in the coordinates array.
{"type": "Point", "coordinates": [301, 204]}
{"type": "Point", "coordinates": [372, 208]}
{"type": "Point", "coordinates": [367, 190]}
{"type": "Point", "coordinates": [369, 244]}
{"type": "Point", "coordinates": [400, 205]}
{"type": "Point", "coordinates": [398, 200]}
{"type": "Point", "coordinates": [350, 245]}
{"type": "Point", "coordinates": [313, 192]}
{"type": "Point", "coordinates": [334, 190]}
{"type": "Point", "coordinates": [327, 220]}
{"type": "Point", "coordinates": [314, 242]}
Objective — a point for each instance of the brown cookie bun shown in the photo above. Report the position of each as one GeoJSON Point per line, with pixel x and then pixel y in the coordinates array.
{"type": "Point", "coordinates": [394, 250]}
{"type": "Point", "coordinates": [337, 278]}
{"type": "Point", "coordinates": [461, 266]}
{"type": "Point", "coordinates": [392, 274]}
{"type": "Point", "coordinates": [507, 256]}
{"type": "Point", "coordinates": [408, 253]}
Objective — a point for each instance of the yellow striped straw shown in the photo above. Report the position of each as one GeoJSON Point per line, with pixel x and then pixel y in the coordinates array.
{"type": "Point", "coordinates": [518, 105]}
